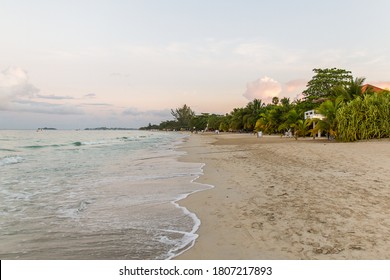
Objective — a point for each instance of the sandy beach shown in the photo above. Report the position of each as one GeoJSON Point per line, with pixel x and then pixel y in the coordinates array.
{"type": "Point", "coordinates": [278, 198]}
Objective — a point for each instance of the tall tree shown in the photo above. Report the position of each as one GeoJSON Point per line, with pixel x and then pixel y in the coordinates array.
{"type": "Point", "coordinates": [236, 120]}
{"type": "Point", "coordinates": [265, 122]}
{"type": "Point", "coordinates": [323, 82]}
{"type": "Point", "coordinates": [225, 123]}
{"type": "Point", "coordinates": [251, 114]}
{"type": "Point", "coordinates": [183, 116]}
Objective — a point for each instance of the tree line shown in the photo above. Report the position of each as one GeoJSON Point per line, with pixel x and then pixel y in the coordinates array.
{"type": "Point", "coordinates": [350, 110]}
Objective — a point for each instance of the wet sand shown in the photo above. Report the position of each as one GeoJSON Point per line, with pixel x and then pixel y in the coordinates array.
{"type": "Point", "coordinates": [278, 198]}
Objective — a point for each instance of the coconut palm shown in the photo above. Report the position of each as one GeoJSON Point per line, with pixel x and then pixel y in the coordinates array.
{"type": "Point", "coordinates": [251, 114]}
{"type": "Point", "coordinates": [301, 128]}
{"type": "Point", "coordinates": [346, 93]}
{"type": "Point", "coordinates": [289, 118]}
{"type": "Point", "coordinates": [236, 121]}
{"type": "Point", "coordinates": [265, 122]}
{"type": "Point", "coordinates": [329, 123]}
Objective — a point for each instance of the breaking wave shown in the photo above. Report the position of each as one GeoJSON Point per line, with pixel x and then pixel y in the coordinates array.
{"type": "Point", "coordinates": [10, 160]}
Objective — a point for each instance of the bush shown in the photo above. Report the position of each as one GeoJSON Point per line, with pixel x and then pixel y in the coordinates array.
{"type": "Point", "coordinates": [365, 118]}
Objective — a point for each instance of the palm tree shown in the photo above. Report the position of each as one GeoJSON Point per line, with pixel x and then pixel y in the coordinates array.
{"type": "Point", "coordinates": [265, 122]}
{"type": "Point", "coordinates": [289, 118]}
{"type": "Point", "coordinates": [351, 91]}
{"type": "Point", "coordinates": [301, 128]}
{"type": "Point", "coordinates": [236, 121]}
{"type": "Point", "coordinates": [251, 114]}
{"type": "Point", "coordinates": [292, 119]}
{"type": "Point", "coordinates": [329, 123]}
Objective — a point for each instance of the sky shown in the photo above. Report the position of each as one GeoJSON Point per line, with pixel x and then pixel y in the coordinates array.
{"type": "Point", "coordinates": [77, 64]}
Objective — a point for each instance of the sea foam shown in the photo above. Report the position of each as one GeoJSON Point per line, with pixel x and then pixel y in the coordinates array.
{"type": "Point", "coordinates": [11, 160]}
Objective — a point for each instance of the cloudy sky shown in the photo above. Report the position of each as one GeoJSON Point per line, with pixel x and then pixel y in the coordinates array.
{"type": "Point", "coordinates": [76, 64]}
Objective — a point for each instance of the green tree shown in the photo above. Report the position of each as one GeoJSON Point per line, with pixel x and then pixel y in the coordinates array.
{"type": "Point", "coordinates": [225, 123]}
{"type": "Point", "coordinates": [290, 119]}
{"type": "Point", "coordinates": [346, 93]}
{"type": "Point", "coordinates": [301, 106]}
{"type": "Point", "coordinates": [285, 102]}
{"type": "Point", "coordinates": [236, 120]}
{"type": "Point", "coordinates": [214, 121]}
{"type": "Point", "coordinates": [251, 114]}
{"type": "Point", "coordinates": [183, 116]}
{"type": "Point", "coordinates": [168, 125]}
{"type": "Point", "coordinates": [199, 122]}
{"type": "Point", "coordinates": [270, 120]}
{"type": "Point", "coordinates": [264, 123]}
{"type": "Point", "coordinates": [279, 115]}
{"type": "Point", "coordinates": [320, 87]}
{"type": "Point", "coordinates": [329, 123]}
{"type": "Point", "coordinates": [301, 128]}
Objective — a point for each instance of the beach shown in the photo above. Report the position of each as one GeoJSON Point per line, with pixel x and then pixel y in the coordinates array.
{"type": "Point", "coordinates": [281, 198]}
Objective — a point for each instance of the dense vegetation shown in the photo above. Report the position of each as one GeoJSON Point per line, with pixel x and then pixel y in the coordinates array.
{"type": "Point", "coordinates": [350, 112]}
{"type": "Point", "coordinates": [364, 118]}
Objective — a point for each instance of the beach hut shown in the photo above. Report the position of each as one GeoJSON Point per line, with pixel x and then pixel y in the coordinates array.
{"type": "Point", "coordinates": [312, 114]}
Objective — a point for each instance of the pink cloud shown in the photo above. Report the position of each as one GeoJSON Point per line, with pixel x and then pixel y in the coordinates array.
{"type": "Point", "coordinates": [266, 88]}
{"type": "Point", "coordinates": [295, 88]}
{"type": "Point", "coordinates": [263, 88]}
{"type": "Point", "coordinates": [295, 85]}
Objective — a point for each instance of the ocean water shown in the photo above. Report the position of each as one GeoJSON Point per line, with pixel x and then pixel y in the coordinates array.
{"type": "Point", "coordinates": [94, 195]}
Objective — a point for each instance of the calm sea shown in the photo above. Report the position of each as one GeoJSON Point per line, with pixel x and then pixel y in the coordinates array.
{"type": "Point", "coordinates": [94, 195]}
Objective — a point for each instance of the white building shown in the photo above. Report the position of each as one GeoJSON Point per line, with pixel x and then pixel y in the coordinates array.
{"type": "Point", "coordinates": [313, 115]}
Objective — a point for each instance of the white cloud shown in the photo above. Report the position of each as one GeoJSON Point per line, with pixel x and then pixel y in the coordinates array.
{"type": "Point", "coordinates": [263, 88]}
{"type": "Point", "coordinates": [90, 95]}
{"type": "Point", "coordinates": [54, 97]}
{"type": "Point", "coordinates": [14, 84]}
{"type": "Point", "coordinates": [97, 104]}
{"type": "Point", "coordinates": [270, 54]}
{"type": "Point", "coordinates": [154, 113]}
{"type": "Point", "coordinates": [255, 50]}
{"type": "Point", "coordinates": [178, 48]}
{"type": "Point", "coordinates": [17, 94]}
{"type": "Point", "coordinates": [148, 116]}
{"type": "Point", "coordinates": [44, 108]}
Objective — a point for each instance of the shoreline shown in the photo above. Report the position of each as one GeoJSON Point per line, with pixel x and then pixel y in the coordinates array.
{"type": "Point", "coordinates": [278, 198]}
{"type": "Point", "coordinates": [177, 203]}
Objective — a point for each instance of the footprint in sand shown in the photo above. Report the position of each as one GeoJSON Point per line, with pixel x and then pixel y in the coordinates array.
{"type": "Point", "coordinates": [257, 225]}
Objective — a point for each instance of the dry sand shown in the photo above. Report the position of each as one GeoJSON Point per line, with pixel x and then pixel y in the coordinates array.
{"type": "Point", "coordinates": [278, 198]}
